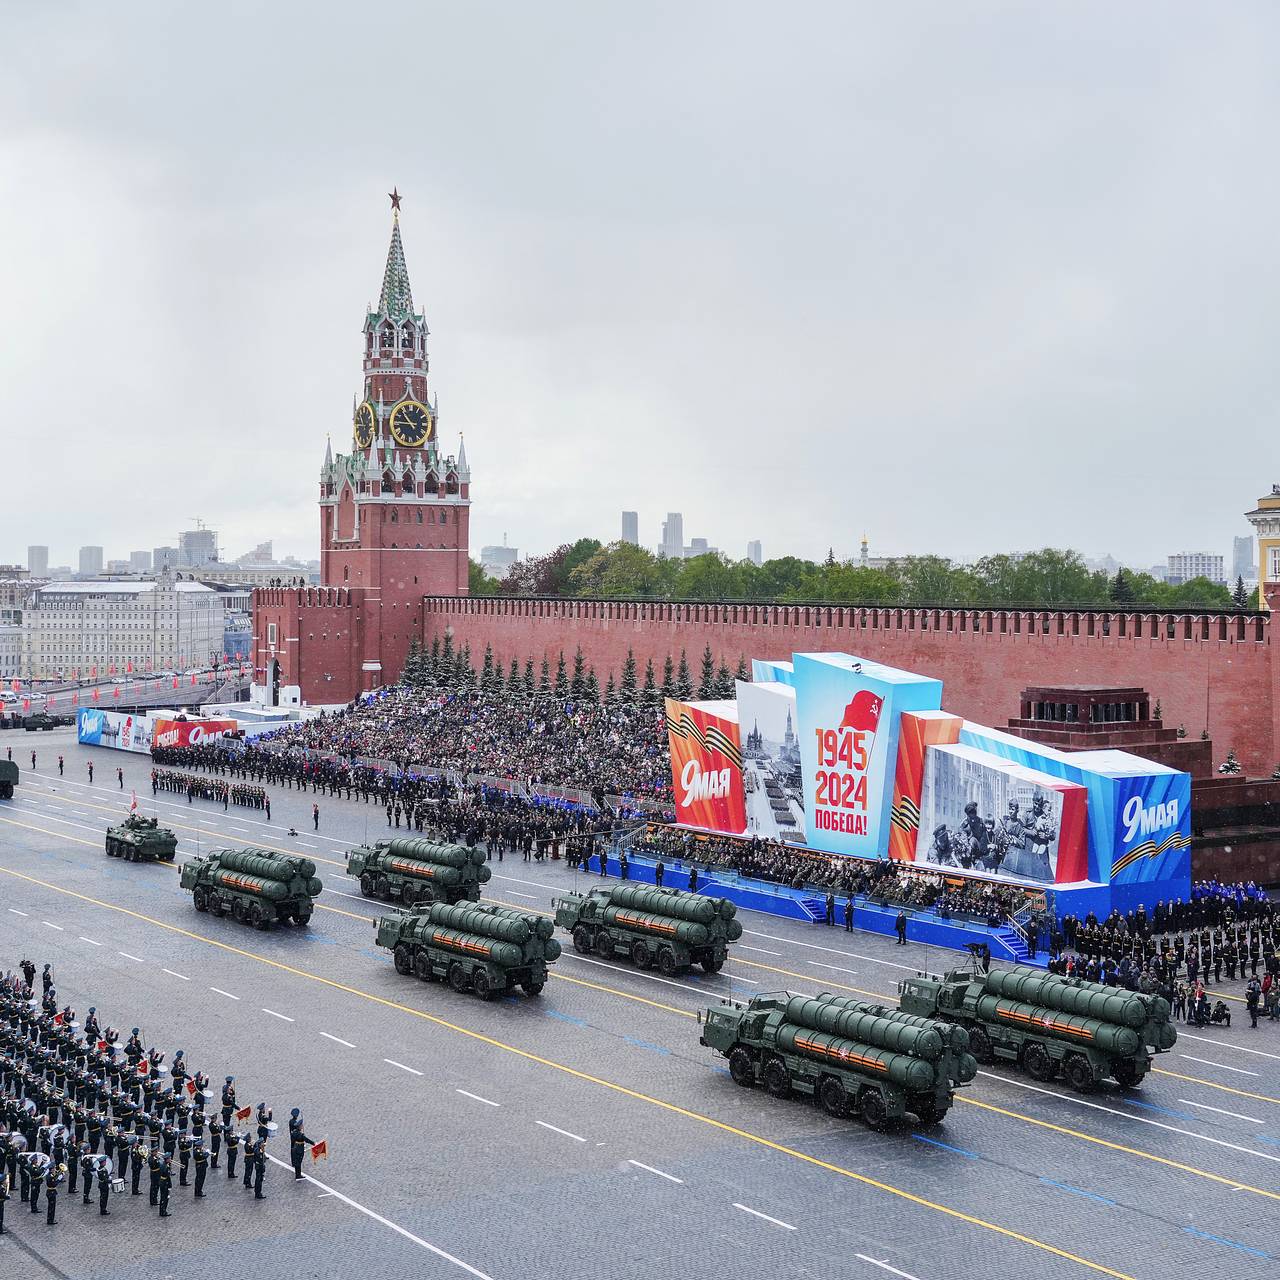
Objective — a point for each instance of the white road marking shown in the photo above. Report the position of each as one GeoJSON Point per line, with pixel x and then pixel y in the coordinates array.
{"type": "Point", "coordinates": [475, 1097]}
{"type": "Point", "coordinates": [337, 1040]}
{"type": "Point", "coordinates": [228, 994]}
{"type": "Point", "coordinates": [648, 1168]}
{"type": "Point", "coordinates": [1222, 1066]}
{"type": "Point", "coordinates": [755, 982]}
{"type": "Point", "coordinates": [515, 893]}
{"type": "Point", "coordinates": [386, 1222]}
{"type": "Point", "coordinates": [16, 912]}
{"type": "Point", "coordinates": [817, 964]}
{"type": "Point", "coordinates": [307, 844]}
{"type": "Point", "coordinates": [565, 1132]}
{"type": "Point", "coordinates": [127, 956]}
{"type": "Point", "coordinates": [281, 1016]}
{"type": "Point", "coordinates": [777, 1222]}
{"type": "Point", "coordinates": [1204, 1106]}
{"type": "Point", "coordinates": [884, 1266]}
{"type": "Point", "coordinates": [1111, 1111]}
{"type": "Point", "coordinates": [90, 941]}
{"type": "Point", "coordinates": [652, 977]}
{"type": "Point", "coordinates": [743, 947]}
{"type": "Point", "coordinates": [1222, 1044]}
{"type": "Point", "coordinates": [354, 896]}
{"type": "Point", "coordinates": [49, 925]}
{"type": "Point", "coordinates": [171, 974]}
{"type": "Point", "coordinates": [392, 1062]}
{"type": "Point", "coordinates": [835, 951]}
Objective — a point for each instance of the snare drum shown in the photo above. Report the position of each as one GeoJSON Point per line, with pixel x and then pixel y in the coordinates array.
{"type": "Point", "coordinates": [117, 1185]}
{"type": "Point", "coordinates": [271, 1126]}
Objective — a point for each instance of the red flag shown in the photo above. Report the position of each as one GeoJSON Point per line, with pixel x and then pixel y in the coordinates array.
{"type": "Point", "coordinates": [95, 695]}
{"type": "Point", "coordinates": [115, 693]}
{"type": "Point", "coordinates": [863, 712]}
{"type": "Point", "coordinates": [175, 682]}
{"type": "Point", "coordinates": [143, 1067]}
{"type": "Point", "coordinates": [244, 1113]}
{"type": "Point", "coordinates": [102, 1046]}
{"type": "Point", "coordinates": [133, 804]}
{"type": "Point", "coordinates": [128, 666]}
{"type": "Point", "coordinates": [75, 699]}
{"type": "Point", "coordinates": [58, 1019]}
{"type": "Point", "coordinates": [17, 684]}
{"type": "Point", "coordinates": [191, 1086]}
{"type": "Point", "coordinates": [320, 1150]}
{"type": "Point", "coordinates": [26, 704]}
{"type": "Point", "coordinates": [93, 672]}
{"type": "Point", "coordinates": [193, 677]}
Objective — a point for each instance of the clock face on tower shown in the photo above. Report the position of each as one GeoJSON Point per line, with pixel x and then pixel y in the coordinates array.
{"type": "Point", "coordinates": [364, 425]}
{"type": "Point", "coordinates": [411, 424]}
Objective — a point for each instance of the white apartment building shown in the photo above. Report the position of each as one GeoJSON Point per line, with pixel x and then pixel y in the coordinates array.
{"type": "Point", "coordinates": [1184, 567]}
{"type": "Point", "coordinates": [10, 651]}
{"type": "Point", "coordinates": [153, 625]}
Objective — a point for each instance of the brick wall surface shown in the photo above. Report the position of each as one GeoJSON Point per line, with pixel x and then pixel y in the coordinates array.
{"type": "Point", "coordinates": [1208, 670]}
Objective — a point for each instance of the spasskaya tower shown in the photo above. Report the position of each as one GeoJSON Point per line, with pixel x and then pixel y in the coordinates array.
{"type": "Point", "coordinates": [394, 517]}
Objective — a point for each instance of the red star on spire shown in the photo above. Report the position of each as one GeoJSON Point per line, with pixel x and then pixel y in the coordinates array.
{"type": "Point", "coordinates": [395, 197]}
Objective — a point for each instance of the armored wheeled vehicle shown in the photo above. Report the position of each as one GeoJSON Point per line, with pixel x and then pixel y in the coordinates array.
{"type": "Point", "coordinates": [850, 1057]}
{"type": "Point", "coordinates": [416, 871]}
{"type": "Point", "coordinates": [478, 947]}
{"type": "Point", "coordinates": [44, 720]}
{"type": "Point", "coordinates": [667, 927]}
{"type": "Point", "coordinates": [139, 839]}
{"type": "Point", "coordinates": [253, 886]}
{"type": "Point", "coordinates": [8, 779]}
{"type": "Point", "coordinates": [1048, 1024]}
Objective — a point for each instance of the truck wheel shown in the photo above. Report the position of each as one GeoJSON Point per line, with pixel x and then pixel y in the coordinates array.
{"type": "Point", "coordinates": [874, 1112]}
{"type": "Point", "coordinates": [457, 976]}
{"type": "Point", "coordinates": [422, 967]}
{"type": "Point", "coordinates": [604, 946]}
{"type": "Point", "coordinates": [742, 1068]}
{"type": "Point", "coordinates": [302, 917]}
{"type": "Point", "coordinates": [582, 940]}
{"type": "Point", "coordinates": [1127, 1073]}
{"type": "Point", "coordinates": [980, 1046]}
{"type": "Point", "coordinates": [402, 959]}
{"type": "Point", "coordinates": [215, 906]}
{"type": "Point", "coordinates": [1079, 1073]}
{"type": "Point", "coordinates": [1036, 1062]}
{"type": "Point", "coordinates": [111, 847]}
{"type": "Point", "coordinates": [260, 919]}
{"type": "Point", "coordinates": [532, 988]}
{"type": "Point", "coordinates": [367, 885]}
{"type": "Point", "coordinates": [382, 887]}
{"type": "Point", "coordinates": [833, 1097]}
{"type": "Point", "coordinates": [237, 910]}
{"type": "Point", "coordinates": [776, 1079]}
{"type": "Point", "coordinates": [640, 956]}
{"type": "Point", "coordinates": [481, 986]}
{"type": "Point", "coordinates": [667, 961]}
{"type": "Point", "coordinates": [711, 965]}
{"type": "Point", "coordinates": [201, 900]}
{"type": "Point", "coordinates": [929, 1111]}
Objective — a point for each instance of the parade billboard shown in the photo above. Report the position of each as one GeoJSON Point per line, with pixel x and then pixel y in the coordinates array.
{"type": "Point", "coordinates": [849, 711]}
{"type": "Point", "coordinates": [982, 813]}
{"type": "Point", "coordinates": [113, 729]}
{"type": "Point", "coordinates": [773, 780]}
{"type": "Point", "coordinates": [706, 765]}
{"type": "Point", "coordinates": [189, 733]}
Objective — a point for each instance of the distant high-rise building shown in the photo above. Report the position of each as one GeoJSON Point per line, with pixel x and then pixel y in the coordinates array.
{"type": "Point", "coordinates": [497, 561]}
{"type": "Point", "coordinates": [139, 561]}
{"type": "Point", "coordinates": [672, 536]}
{"type": "Point", "coordinates": [1244, 559]}
{"type": "Point", "coordinates": [631, 527]}
{"type": "Point", "coordinates": [700, 547]}
{"type": "Point", "coordinates": [90, 561]}
{"type": "Point", "coordinates": [1188, 565]}
{"type": "Point", "coordinates": [117, 566]}
{"type": "Point", "coordinates": [164, 558]}
{"type": "Point", "coordinates": [38, 561]}
{"type": "Point", "coordinates": [197, 546]}
{"type": "Point", "coordinates": [755, 553]}
{"type": "Point", "coordinates": [261, 554]}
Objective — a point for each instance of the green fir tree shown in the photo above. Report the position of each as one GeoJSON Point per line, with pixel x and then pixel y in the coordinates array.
{"type": "Point", "coordinates": [627, 685]}
{"type": "Point", "coordinates": [684, 681]}
{"type": "Point", "coordinates": [562, 678]}
{"type": "Point", "coordinates": [707, 677]}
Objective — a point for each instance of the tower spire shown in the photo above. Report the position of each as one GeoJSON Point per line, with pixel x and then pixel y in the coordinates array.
{"type": "Point", "coordinates": [396, 299]}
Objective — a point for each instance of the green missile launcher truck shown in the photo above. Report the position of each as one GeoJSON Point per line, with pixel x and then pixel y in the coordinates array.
{"type": "Point", "coordinates": [139, 839]}
{"type": "Point", "coordinates": [254, 886]}
{"type": "Point", "coordinates": [1048, 1024]}
{"type": "Point", "coordinates": [417, 872]}
{"type": "Point", "coordinates": [850, 1057]}
{"type": "Point", "coordinates": [8, 779]}
{"type": "Point", "coordinates": [667, 927]}
{"type": "Point", "coordinates": [479, 947]}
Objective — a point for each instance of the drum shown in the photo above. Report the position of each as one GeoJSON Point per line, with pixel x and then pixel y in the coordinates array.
{"type": "Point", "coordinates": [207, 1094]}
{"type": "Point", "coordinates": [117, 1185]}
{"type": "Point", "coordinates": [271, 1126]}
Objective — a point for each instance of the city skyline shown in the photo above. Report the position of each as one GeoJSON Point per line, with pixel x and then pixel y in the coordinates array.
{"type": "Point", "coordinates": [917, 286]}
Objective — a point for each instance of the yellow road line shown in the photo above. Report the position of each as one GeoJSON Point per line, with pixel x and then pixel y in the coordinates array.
{"type": "Point", "coordinates": [670, 1107]}
{"type": "Point", "coordinates": [1226, 1088]}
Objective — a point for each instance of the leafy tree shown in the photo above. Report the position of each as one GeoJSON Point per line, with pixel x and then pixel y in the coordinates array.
{"type": "Point", "coordinates": [1158, 713]}
{"type": "Point", "coordinates": [619, 570]}
{"type": "Point", "coordinates": [708, 577]}
{"type": "Point", "coordinates": [707, 680]}
{"type": "Point", "coordinates": [549, 575]}
{"type": "Point", "coordinates": [627, 685]}
{"type": "Point", "coordinates": [480, 584]}
{"type": "Point", "coordinates": [562, 678]}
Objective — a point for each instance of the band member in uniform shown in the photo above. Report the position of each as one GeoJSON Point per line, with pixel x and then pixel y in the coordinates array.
{"type": "Point", "coordinates": [228, 1099]}
{"type": "Point", "coordinates": [298, 1142]}
{"type": "Point", "coordinates": [233, 1146]}
{"type": "Point", "coordinates": [200, 1154]}
{"type": "Point", "coordinates": [166, 1182]}
{"type": "Point", "coordinates": [104, 1188]}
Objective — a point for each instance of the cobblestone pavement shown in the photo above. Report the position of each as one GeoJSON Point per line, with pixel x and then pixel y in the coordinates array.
{"type": "Point", "coordinates": [584, 1133]}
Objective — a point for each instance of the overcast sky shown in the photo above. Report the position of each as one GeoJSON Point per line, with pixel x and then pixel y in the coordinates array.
{"type": "Point", "coordinates": [967, 277]}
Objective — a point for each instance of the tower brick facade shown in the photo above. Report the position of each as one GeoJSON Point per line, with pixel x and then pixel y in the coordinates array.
{"type": "Point", "coordinates": [394, 517]}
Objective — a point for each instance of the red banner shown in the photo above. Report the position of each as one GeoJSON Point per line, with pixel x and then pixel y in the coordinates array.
{"type": "Point", "coordinates": [706, 765]}
{"type": "Point", "coordinates": [187, 733]}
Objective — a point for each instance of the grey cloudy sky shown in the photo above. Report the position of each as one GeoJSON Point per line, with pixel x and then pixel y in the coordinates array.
{"type": "Point", "coordinates": [969, 277]}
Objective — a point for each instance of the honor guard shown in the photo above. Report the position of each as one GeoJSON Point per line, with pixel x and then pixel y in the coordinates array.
{"type": "Point", "coordinates": [91, 1026]}
{"type": "Point", "coordinates": [4, 1196]}
{"type": "Point", "coordinates": [215, 1141]}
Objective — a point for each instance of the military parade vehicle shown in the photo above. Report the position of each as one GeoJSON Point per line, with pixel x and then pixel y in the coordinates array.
{"type": "Point", "coordinates": [418, 871]}
{"type": "Point", "coordinates": [8, 779]}
{"type": "Point", "coordinates": [45, 720]}
{"type": "Point", "coordinates": [850, 1057]}
{"type": "Point", "coordinates": [479, 947]}
{"type": "Point", "coordinates": [254, 886]}
{"type": "Point", "coordinates": [667, 927]}
{"type": "Point", "coordinates": [1048, 1024]}
{"type": "Point", "coordinates": [139, 839]}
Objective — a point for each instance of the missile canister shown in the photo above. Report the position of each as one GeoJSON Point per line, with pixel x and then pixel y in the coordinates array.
{"type": "Point", "coordinates": [666, 902]}
{"type": "Point", "coordinates": [910, 1073]}
{"type": "Point", "coordinates": [957, 1036]}
{"type": "Point", "coordinates": [688, 932]}
{"type": "Point", "coordinates": [271, 866]}
{"type": "Point", "coordinates": [1092, 1001]}
{"type": "Point", "coordinates": [419, 871]}
{"type": "Point", "coordinates": [1106, 1036]}
{"type": "Point", "coordinates": [866, 1028]}
{"type": "Point", "coordinates": [244, 883]}
{"type": "Point", "coordinates": [448, 855]}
